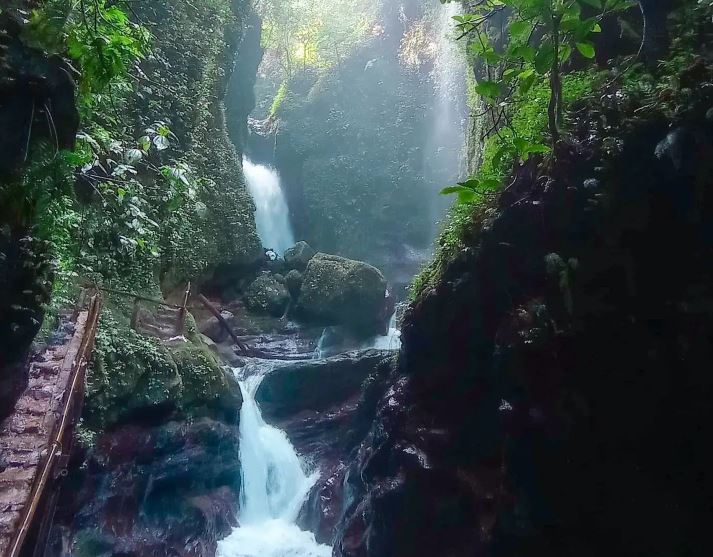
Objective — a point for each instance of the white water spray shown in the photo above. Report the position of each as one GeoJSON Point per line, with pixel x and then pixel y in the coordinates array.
{"type": "Point", "coordinates": [445, 146]}
{"type": "Point", "coordinates": [274, 488]}
{"type": "Point", "coordinates": [390, 341]}
{"type": "Point", "coordinates": [271, 213]}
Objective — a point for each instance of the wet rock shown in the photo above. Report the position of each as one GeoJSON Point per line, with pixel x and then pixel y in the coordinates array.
{"type": "Point", "coordinates": [134, 378]}
{"type": "Point", "coordinates": [549, 383]}
{"type": "Point", "coordinates": [267, 295]}
{"type": "Point", "coordinates": [336, 290]}
{"type": "Point", "coordinates": [213, 328]}
{"type": "Point", "coordinates": [32, 81]}
{"type": "Point", "coordinates": [317, 384]}
{"type": "Point", "coordinates": [171, 489]}
{"type": "Point", "coordinates": [298, 256]}
{"type": "Point", "coordinates": [208, 389]}
{"type": "Point", "coordinates": [326, 407]}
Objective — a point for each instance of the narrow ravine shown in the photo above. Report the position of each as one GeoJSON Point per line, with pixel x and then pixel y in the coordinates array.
{"type": "Point", "coordinates": [275, 484]}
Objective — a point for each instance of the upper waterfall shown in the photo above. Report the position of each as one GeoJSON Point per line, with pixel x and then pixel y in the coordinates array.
{"type": "Point", "coordinates": [271, 212]}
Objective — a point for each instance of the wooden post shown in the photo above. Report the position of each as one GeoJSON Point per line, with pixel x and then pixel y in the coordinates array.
{"type": "Point", "coordinates": [135, 313]}
{"type": "Point", "coordinates": [180, 325]}
{"type": "Point", "coordinates": [214, 310]}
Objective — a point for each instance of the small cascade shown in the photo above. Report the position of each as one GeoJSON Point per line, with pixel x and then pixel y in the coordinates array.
{"type": "Point", "coordinates": [274, 488]}
{"type": "Point", "coordinates": [390, 341]}
{"type": "Point", "coordinates": [319, 352]}
{"type": "Point", "coordinates": [271, 212]}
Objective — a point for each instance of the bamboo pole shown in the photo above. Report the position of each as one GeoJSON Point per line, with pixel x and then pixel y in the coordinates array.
{"type": "Point", "coordinates": [214, 310]}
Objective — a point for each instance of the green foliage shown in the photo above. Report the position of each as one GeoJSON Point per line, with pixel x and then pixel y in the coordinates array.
{"type": "Point", "coordinates": [313, 33]}
{"type": "Point", "coordinates": [98, 35]}
{"type": "Point", "coordinates": [541, 37]}
{"type": "Point", "coordinates": [279, 99]}
{"type": "Point", "coordinates": [146, 200]}
{"type": "Point", "coordinates": [478, 196]}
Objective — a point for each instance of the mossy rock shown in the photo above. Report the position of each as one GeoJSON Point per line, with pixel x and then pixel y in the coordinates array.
{"type": "Point", "coordinates": [130, 374]}
{"type": "Point", "coordinates": [298, 256]}
{"type": "Point", "coordinates": [267, 295]}
{"type": "Point", "coordinates": [137, 378]}
{"type": "Point", "coordinates": [208, 388]}
{"type": "Point", "coordinates": [336, 290]}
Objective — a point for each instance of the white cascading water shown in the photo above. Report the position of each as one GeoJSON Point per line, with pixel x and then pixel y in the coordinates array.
{"type": "Point", "coordinates": [391, 341]}
{"type": "Point", "coordinates": [274, 488]}
{"type": "Point", "coordinates": [271, 213]}
{"type": "Point", "coordinates": [444, 149]}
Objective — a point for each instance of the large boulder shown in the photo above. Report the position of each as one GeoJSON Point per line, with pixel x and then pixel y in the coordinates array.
{"type": "Point", "coordinates": [299, 255]}
{"type": "Point", "coordinates": [134, 378]}
{"type": "Point", "coordinates": [336, 290]}
{"type": "Point", "coordinates": [267, 295]}
{"type": "Point", "coordinates": [316, 385]}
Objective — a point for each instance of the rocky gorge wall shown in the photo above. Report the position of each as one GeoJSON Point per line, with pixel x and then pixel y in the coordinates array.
{"type": "Point", "coordinates": [552, 394]}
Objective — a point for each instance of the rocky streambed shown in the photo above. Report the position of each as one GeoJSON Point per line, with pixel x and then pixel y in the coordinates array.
{"type": "Point", "coordinates": [172, 487]}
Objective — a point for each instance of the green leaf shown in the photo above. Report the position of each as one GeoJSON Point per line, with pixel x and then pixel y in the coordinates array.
{"type": "Point", "coordinates": [565, 52]}
{"type": "Point", "coordinates": [466, 196]}
{"type": "Point", "coordinates": [594, 3]}
{"type": "Point", "coordinates": [453, 189]}
{"type": "Point", "coordinates": [472, 183]}
{"type": "Point", "coordinates": [586, 49]}
{"type": "Point", "coordinates": [520, 29]}
{"type": "Point", "coordinates": [544, 58]}
{"type": "Point", "coordinates": [527, 79]}
{"type": "Point", "coordinates": [488, 89]}
{"type": "Point", "coordinates": [527, 53]}
{"type": "Point", "coordinates": [489, 184]}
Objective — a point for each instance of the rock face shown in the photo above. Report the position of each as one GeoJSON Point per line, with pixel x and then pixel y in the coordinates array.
{"type": "Point", "coordinates": [32, 78]}
{"type": "Point", "coordinates": [336, 290]}
{"type": "Point", "coordinates": [170, 489]}
{"type": "Point", "coordinates": [358, 173]}
{"type": "Point", "coordinates": [554, 385]}
{"type": "Point", "coordinates": [159, 471]}
{"type": "Point", "coordinates": [26, 274]}
{"type": "Point", "coordinates": [133, 378]}
{"type": "Point", "coordinates": [267, 295]}
{"type": "Point", "coordinates": [293, 282]}
{"type": "Point", "coordinates": [298, 256]}
{"type": "Point", "coordinates": [213, 328]}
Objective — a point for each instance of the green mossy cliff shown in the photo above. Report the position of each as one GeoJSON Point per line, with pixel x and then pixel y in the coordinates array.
{"type": "Point", "coordinates": [188, 73]}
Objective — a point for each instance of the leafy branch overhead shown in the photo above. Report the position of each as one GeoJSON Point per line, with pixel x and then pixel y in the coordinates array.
{"type": "Point", "coordinates": [523, 43]}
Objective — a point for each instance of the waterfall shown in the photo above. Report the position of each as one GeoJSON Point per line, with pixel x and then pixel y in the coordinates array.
{"type": "Point", "coordinates": [271, 213]}
{"type": "Point", "coordinates": [445, 146]}
{"type": "Point", "coordinates": [274, 487]}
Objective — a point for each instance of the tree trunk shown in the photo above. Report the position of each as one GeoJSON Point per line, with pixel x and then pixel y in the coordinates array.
{"type": "Point", "coordinates": [656, 38]}
{"type": "Point", "coordinates": [554, 110]}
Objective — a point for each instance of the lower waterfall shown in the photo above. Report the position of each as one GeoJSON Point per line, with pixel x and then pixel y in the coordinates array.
{"type": "Point", "coordinates": [274, 487]}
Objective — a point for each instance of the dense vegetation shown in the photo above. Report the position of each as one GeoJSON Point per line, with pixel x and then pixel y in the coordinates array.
{"type": "Point", "coordinates": [525, 112]}
{"type": "Point", "coordinates": [151, 192]}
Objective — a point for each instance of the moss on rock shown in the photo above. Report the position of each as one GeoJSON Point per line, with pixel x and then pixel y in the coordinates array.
{"type": "Point", "coordinates": [336, 290]}
{"type": "Point", "coordinates": [267, 295]}
{"type": "Point", "coordinates": [137, 377]}
{"type": "Point", "coordinates": [208, 389]}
